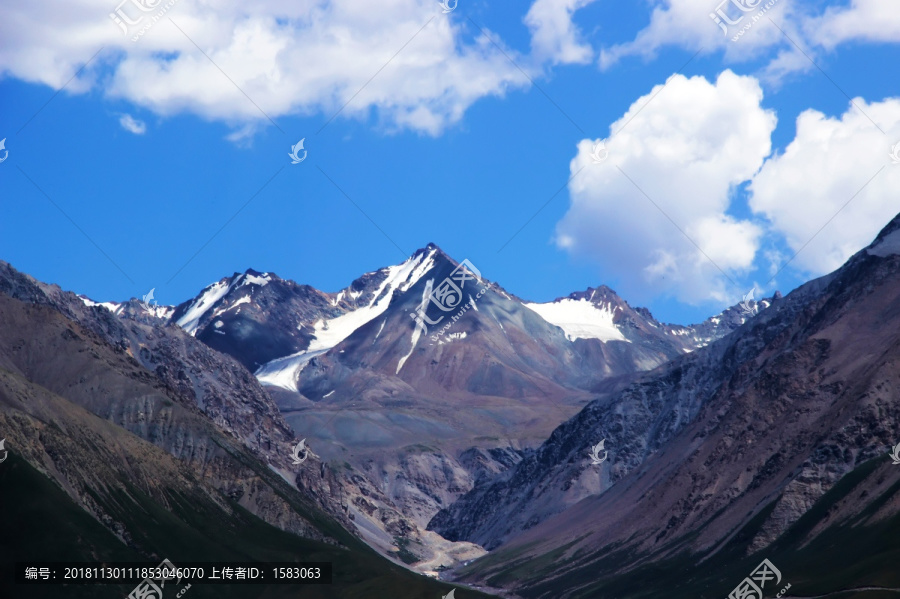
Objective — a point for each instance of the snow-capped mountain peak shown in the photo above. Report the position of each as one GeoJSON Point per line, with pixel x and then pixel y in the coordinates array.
{"type": "Point", "coordinates": [331, 331]}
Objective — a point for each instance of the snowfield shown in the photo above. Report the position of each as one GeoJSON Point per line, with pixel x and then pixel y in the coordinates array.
{"type": "Point", "coordinates": [580, 319]}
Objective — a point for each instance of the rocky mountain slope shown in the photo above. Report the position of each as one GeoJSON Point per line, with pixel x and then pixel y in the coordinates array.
{"type": "Point", "coordinates": [771, 441]}
{"type": "Point", "coordinates": [275, 326]}
{"type": "Point", "coordinates": [152, 444]}
{"type": "Point", "coordinates": [402, 404]}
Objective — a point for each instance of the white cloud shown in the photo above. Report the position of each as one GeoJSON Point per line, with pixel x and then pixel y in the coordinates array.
{"type": "Point", "coordinates": [554, 36]}
{"type": "Point", "coordinates": [828, 163]}
{"type": "Point", "coordinates": [133, 125]}
{"type": "Point", "coordinates": [290, 58]}
{"type": "Point", "coordinates": [689, 24]}
{"type": "Point", "coordinates": [863, 20]}
{"type": "Point", "coordinates": [686, 149]}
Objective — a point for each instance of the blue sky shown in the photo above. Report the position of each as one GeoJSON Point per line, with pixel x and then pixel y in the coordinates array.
{"type": "Point", "coordinates": [709, 187]}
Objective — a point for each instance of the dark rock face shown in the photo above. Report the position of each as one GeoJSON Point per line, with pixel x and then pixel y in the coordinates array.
{"type": "Point", "coordinates": [255, 317]}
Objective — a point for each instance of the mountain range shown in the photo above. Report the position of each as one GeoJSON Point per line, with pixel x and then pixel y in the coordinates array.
{"type": "Point", "coordinates": [353, 373]}
{"type": "Point", "coordinates": [457, 429]}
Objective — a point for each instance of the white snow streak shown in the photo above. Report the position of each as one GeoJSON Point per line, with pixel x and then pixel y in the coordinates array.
{"type": "Point", "coordinates": [417, 330]}
{"type": "Point", "coordinates": [190, 321]}
{"type": "Point", "coordinates": [379, 330]}
{"type": "Point", "coordinates": [401, 277]}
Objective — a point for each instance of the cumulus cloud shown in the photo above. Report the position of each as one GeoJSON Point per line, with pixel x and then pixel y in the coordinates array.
{"type": "Point", "coordinates": [554, 36]}
{"type": "Point", "coordinates": [686, 150]}
{"type": "Point", "coordinates": [289, 58]}
{"type": "Point", "coordinates": [133, 125]}
{"type": "Point", "coordinates": [826, 166]}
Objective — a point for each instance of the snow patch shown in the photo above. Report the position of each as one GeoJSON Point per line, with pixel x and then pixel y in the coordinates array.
{"type": "Point", "coordinates": [580, 319]}
{"type": "Point", "coordinates": [113, 307]}
{"type": "Point", "coordinates": [243, 300]}
{"type": "Point", "coordinates": [282, 372]}
{"type": "Point", "coordinates": [262, 280]}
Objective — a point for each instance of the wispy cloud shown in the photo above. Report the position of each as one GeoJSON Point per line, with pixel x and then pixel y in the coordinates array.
{"type": "Point", "coordinates": [811, 24]}
{"type": "Point", "coordinates": [129, 123]}
{"type": "Point", "coordinates": [554, 36]}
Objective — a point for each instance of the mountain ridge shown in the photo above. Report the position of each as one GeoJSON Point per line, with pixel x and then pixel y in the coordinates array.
{"type": "Point", "coordinates": [354, 376]}
{"type": "Point", "coordinates": [728, 449]}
